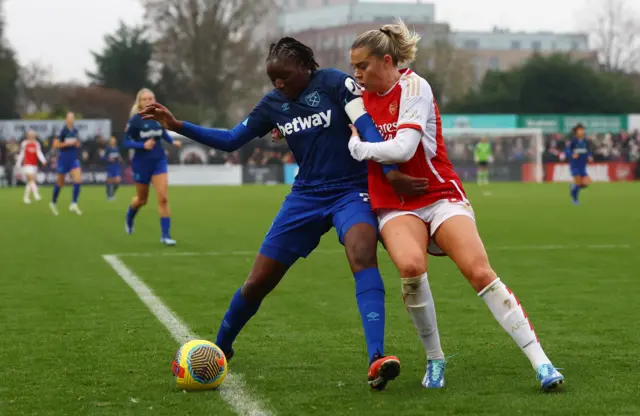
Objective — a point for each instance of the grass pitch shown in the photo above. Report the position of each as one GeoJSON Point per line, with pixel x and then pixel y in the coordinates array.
{"type": "Point", "coordinates": [77, 340]}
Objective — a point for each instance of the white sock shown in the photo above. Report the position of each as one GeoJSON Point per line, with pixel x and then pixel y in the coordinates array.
{"type": "Point", "coordinates": [34, 188]}
{"type": "Point", "coordinates": [507, 310]}
{"type": "Point", "coordinates": [27, 188]}
{"type": "Point", "coordinates": [419, 303]}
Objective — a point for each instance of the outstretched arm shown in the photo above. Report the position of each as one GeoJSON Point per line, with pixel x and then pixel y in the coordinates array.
{"type": "Point", "coordinates": [226, 140]}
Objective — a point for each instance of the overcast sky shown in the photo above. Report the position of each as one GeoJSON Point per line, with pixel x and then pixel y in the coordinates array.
{"type": "Point", "coordinates": [61, 33]}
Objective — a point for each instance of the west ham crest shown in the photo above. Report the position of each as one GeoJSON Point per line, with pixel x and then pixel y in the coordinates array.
{"type": "Point", "coordinates": [313, 99]}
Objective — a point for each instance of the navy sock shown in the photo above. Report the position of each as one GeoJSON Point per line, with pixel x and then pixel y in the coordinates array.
{"type": "Point", "coordinates": [108, 187]}
{"type": "Point", "coordinates": [237, 316]}
{"type": "Point", "coordinates": [131, 214]}
{"type": "Point", "coordinates": [165, 226]}
{"type": "Point", "coordinates": [575, 190]}
{"type": "Point", "coordinates": [370, 298]}
{"type": "Point", "coordinates": [76, 192]}
{"type": "Point", "coordinates": [56, 192]}
{"type": "Point", "coordinates": [114, 188]}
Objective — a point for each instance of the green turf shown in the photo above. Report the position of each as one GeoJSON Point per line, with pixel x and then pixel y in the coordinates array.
{"type": "Point", "coordinates": [77, 340]}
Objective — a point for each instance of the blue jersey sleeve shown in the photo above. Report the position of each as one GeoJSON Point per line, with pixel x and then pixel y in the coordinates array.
{"type": "Point", "coordinates": [131, 133]}
{"type": "Point", "coordinates": [257, 124]}
{"type": "Point", "coordinates": [349, 94]}
{"type": "Point", "coordinates": [166, 137]}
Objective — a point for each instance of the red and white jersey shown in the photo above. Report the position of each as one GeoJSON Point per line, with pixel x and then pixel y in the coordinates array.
{"type": "Point", "coordinates": [410, 104]}
{"type": "Point", "coordinates": [30, 153]}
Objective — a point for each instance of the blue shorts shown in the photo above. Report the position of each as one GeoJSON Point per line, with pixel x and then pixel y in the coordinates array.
{"type": "Point", "coordinates": [113, 171]}
{"type": "Point", "coordinates": [305, 217]}
{"type": "Point", "coordinates": [579, 171]}
{"type": "Point", "coordinates": [66, 165]}
{"type": "Point", "coordinates": [144, 170]}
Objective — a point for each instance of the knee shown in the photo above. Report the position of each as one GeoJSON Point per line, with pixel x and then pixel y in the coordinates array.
{"type": "Point", "coordinates": [412, 265]}
{"type": "Point", "coordinates": [480, 275]}
{"type": "Point", "coordinates": [255, 288]}
{"type": "Point", "coordinates": [362, 254]}
{"type": "Point", "coordinates": [141, 201]}
{"type": "Point", "coordinates": [163, 200]}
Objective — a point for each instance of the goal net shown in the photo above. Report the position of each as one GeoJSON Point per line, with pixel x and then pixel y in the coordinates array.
{"type": "Point", "coordinates": [517, 153]}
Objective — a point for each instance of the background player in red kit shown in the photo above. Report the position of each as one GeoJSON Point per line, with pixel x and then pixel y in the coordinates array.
{"type": "Point", "coordinates": [30, 154]}
{"type": "Point", "coordinates": [441, 221]}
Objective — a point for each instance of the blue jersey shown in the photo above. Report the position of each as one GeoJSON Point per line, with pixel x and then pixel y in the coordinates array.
{"type": "Point", "coordinates": [579, 147]}
{"type": "Point", "coordinates": [330, 189]}
{"type": "Point", "coordinates": [139, 131]}
{"type": "Point", "coordinates": [68, 153]}
{"type": "Point", "coordinates": [112, 155]}
{"type": "Point", "coordinates": [316, 128]}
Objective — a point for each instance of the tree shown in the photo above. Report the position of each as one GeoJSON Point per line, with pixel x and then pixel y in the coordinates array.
{"type": "Point", "coordinates": [449, 70]}
{"type": "Point", "coordinates": [551, 84]}
{"type": "Point", "coordinates": [9, 69]}
{"type": "Point", "coordinates": [34, 84]}
{"type": "Point", "coordinates": [124, 63]}
{"type": "Point", "coordinates": [615, 29]}
{"type": "Point", "coordinates": [209, 48]}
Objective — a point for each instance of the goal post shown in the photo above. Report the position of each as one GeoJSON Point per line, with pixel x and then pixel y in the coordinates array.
{"type": "Point", "coordinates": [517, 152]}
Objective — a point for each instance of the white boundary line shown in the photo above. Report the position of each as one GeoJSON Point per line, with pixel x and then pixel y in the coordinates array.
{"type": "Point", "coordinates": [255, 252]}
{"type": "Point", "coordinates": [233, 390]}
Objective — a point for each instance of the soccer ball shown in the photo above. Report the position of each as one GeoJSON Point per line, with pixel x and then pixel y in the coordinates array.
{"type": "Point", "coordinates": [199, 365]}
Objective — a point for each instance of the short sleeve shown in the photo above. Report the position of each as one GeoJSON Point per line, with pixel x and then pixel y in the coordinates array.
{"type": "Point", "coordinates": [416, 104]}
{"type": "Point", "coordinates": [346, 88]}
{"type": "Point", "coordinates": [259, 120]}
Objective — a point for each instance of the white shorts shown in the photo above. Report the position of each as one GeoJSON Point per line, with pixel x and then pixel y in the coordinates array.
{"type": "Point", "coordinates": [433, 215]}
{"type": "Point", "coordinates": [29, 170]}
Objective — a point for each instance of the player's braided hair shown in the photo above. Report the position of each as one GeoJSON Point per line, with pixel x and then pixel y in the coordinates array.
{"type": "Point", "coordinates": [292, 48]}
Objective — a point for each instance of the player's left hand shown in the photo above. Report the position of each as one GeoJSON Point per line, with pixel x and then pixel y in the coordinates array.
{"type": "Point", "coordinates": [177, 144]}
{"type": "Point", "coordinates": [590, 159]}
{"type": "Point", "coordinates": [404, 184]}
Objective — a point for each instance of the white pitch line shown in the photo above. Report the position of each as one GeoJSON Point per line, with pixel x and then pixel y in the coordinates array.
{"type": "Point", "coordinates": [233, 390]}
{"type": "Point", "coordinates": [253, 253]}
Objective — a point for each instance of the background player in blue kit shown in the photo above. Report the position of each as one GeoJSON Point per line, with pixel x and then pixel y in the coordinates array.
{"type": "Point", "coordinates": [113, 158]}
{"type": "Point", "coordinates": [149, 164]}
{"type": "Point", "coordinates": [579, 155]}
{"type": "Point", "coordinates": [67, 144]}
{"type": "Point", "coordinates": [312, 110]}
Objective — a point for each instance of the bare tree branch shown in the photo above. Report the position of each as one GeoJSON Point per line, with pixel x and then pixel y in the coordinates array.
{"type": "Point", "coordinates": [210, 45]}
{"type": "Point", "coordinates": [615, 32]}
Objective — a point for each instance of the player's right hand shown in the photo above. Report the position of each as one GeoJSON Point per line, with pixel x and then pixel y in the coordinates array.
{"type": "Point", "coordinates": [404, 184]}
{"type": "Point", "coordinates": [575, 155]}
{"type": "Point", "coordinates": [149, 144]}
{"type": "Point", "coordinates": [161, 114]}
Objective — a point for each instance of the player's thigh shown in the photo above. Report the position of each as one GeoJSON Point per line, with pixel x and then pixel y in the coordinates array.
{"type": "Point", "coordinates": [586, 180]}
{"type": "Point", "coordinates": [458, 237]}
{"type": "Point", "coordinates": [296, 230]}
{"type": "Point", "coordinates": [357, 228]}
{"type": "Point", "coordinates": [117, 179]}
{"type": "Point", "coordinates": [160, 184]}
{"type": "Point", "coordinates": [63, 167]}
{"type": "Point", "coordinates": [76, 172]}
{"type": "Point", "coordinates": [406, 236]}
{"type": "Point", "coordinates": [142, 193]}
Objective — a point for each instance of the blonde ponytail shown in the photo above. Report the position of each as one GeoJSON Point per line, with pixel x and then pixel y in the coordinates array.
{"type": "Point", "coordinates": [395, 40]}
